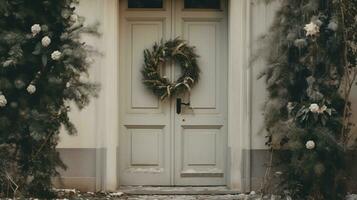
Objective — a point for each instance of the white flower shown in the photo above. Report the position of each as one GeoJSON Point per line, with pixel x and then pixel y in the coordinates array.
{"type": "Point", "coordinates": [35, 29]}
{"type": "Point", "coordinates": [3, 100]}
{"type": "Point", "coordinates": [56, 55]}
{"type": "Point", "coordinates": [68, 84]}
{"type": "Point", "coordinates": [314, 108]}
{"type": "Point", "coordinates": [312, 29]}
{"type": "Point", "coordinates": [31, 89]}
{"type": "Point", "coordinates": [73, 18]}
{"type": "Point", "coordinates": [46, 41]}
{"type": "Point", "coordinates": [322, 109]}
{"type": "Point", "coordinates": [310, 144]}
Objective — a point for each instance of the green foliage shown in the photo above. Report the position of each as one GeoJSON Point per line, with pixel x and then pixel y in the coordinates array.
{"type": "Point", "coordinates": [42, 62]}
{"type": "Point", "coordinates": [310, 51]}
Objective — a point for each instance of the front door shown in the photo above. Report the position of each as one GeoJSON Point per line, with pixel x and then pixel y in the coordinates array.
{"type": "Point", "coordinates": [158, 146]}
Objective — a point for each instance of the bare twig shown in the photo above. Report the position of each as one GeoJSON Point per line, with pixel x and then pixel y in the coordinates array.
{"type": "Point", "coordinates": [13, 185]}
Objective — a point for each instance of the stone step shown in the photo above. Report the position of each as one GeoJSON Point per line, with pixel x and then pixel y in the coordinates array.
{"type": "Point", "coordinates": [187, 190]}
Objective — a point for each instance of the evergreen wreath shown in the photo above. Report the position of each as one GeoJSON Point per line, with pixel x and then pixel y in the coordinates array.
{"type": "Point", "coordinates": [179, 52]}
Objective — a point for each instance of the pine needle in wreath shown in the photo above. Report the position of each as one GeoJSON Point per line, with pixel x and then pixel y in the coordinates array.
{"type": "Point", "coordinates": [180, 53]}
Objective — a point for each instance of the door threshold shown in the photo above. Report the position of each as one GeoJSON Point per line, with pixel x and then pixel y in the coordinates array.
{"type": "Point", "coordinates": [177, 190]}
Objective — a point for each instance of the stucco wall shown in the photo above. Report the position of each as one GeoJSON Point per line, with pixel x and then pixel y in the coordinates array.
{"type": "Point", "coordinates": [85, 120]}
{"type": "Point", "coordinates": [262, 16]}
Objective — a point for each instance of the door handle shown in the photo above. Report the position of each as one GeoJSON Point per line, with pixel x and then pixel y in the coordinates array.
{"type": "Point", "coordinates": [179, 104]}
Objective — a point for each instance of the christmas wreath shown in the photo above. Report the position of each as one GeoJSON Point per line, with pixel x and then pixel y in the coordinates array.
{"type": "Point", "coordinates": [178, 52]}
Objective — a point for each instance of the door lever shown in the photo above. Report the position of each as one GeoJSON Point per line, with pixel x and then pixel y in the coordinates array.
{"type": "Point", "coordinates": [179, 103]}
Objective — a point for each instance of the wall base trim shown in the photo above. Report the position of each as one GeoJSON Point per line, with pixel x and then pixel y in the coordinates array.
{"type": "Point", "coordinates": [83, 184]}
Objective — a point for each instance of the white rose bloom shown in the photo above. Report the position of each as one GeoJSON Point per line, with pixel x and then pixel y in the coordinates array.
{"type": "Point", "coordinates": [312, 29]}
{"type": "Point", "coordinates": [314, 108]}
{"type": "Point", "coordinates": [35, 29]}
{"type": "Point", "coordinates": [310, 144]}
{"type": "Point", "coordinates": [3, 100]}
{"type": "Point", "coordinates": [322, 109]}
{"type": "Point", "coordinates": [56, 55]}
{"type": "Point", "coordinates": [73, 18]}
{"type": "Point", "coordinates": [31, 89]}
{"type": "Point", "coordinates": [46, 41]}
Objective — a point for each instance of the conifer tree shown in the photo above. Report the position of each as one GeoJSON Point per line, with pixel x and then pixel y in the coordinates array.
{"type": "Point", "coordinates": [311, 66]}
{"type": "Point", "coordinates": [42, 65]}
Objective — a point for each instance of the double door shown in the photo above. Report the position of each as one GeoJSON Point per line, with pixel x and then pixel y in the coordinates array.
{"type": "Point", "coordinates": [157, 145]}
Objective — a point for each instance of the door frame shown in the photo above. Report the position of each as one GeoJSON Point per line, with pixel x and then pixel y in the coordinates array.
{"type": "Point", "coordinates": [239, 95]}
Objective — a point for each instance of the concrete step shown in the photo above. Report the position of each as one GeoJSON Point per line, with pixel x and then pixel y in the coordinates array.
{"type": "Point", "coordinates": [187, 190]}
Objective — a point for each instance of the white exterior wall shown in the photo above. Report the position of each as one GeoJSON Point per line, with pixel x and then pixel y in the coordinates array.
{"type": "Point", "coordinates": [85, 120]}
{"type": "Point", "coordinates": [94, 126]}
{"type": "Point", "coordinates": [262, 16]}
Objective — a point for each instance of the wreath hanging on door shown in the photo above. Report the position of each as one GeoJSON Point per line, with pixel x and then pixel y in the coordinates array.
{"type": "Point", "coordinates": [158, 56]}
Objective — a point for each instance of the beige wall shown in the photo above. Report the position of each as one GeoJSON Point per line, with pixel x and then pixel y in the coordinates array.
{"type": "Point", "coordinates": [86, 119]}
{"type": "Point", "coordinates": [262, 16]}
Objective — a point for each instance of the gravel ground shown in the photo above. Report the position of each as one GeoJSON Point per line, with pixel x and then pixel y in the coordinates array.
{"type": "Point", "coordinates": [66, 195]}
{"type": "Point", "coordinates": [75, 195]}
{"type": "Point", "coordinates": [72, 194]}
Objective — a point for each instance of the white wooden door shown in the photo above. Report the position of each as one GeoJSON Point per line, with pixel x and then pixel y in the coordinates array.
{"type": "Point", "coordinates": [157, 145]}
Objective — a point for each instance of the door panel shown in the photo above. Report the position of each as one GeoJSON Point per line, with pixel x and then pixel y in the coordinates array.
{"type": "Point", "coordinates": [203, 36]}
{"type": "Point", "coordinates": [140, 97]}
{"type": "Point", "coordinates": [146, 146]}
{"type": "Point", "coordinates": [145, 125]}
{"type": "Point", "coordinates": [158, 146]}
{"type": "Point", "coordinates": [200, 132]}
